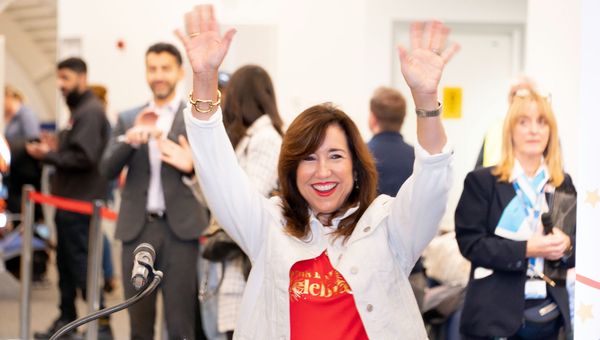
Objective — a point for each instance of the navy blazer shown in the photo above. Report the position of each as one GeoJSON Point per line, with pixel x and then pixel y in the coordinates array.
{"type": "Point", "coordinates": [494, 304]}
{"type": "Point", "coordinates": [394, 160]}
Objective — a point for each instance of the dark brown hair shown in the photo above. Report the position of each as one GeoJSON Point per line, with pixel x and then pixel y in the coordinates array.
{"type": "Point", "coordinates": [389, 107]}
{"type": "Point", "coordinates": [74, 64]}
{"type": "Point", "coordinates": [163, 47]}
{"type": "Point", "coordinates": [250, 94]}
{"type": "Point", "coordinates": [303, 137]}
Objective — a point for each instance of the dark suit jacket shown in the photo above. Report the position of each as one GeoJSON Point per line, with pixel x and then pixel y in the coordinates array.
{"type": "Point", "coordinates": [494, 304]}
{"type": "Point", "coordinates": [185, 216]}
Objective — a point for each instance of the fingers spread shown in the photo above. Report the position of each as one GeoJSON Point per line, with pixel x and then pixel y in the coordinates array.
{"type": "Point", "coordinates": [193, 22]}
{"type": "Point", "coordinates": [431, 30]}
{"type": "Point", "coordinates": [205, 15]}
{"type": "Point", "coordinates": [205, 11]}
{"type": "Point", "coordinates": [227, 38]}
{"type": "Point", "coordinates": [211, 19]}
{"type": "Point", "coordinates": [439, 34]}
{"type": "Point", "coordinates": [402, 53]}
{"type": "Point", "coordinates": [416, 34]}
{"type": "Point", "coordinates": [449, 52]}
{"type": "Point", "coordinates": [182, 37]}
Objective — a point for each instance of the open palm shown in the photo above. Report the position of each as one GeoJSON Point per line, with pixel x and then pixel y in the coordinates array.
{"type": "Point", "coordinates": [422, 66]}
{"type": "Point", "coordinates": [205, 46]}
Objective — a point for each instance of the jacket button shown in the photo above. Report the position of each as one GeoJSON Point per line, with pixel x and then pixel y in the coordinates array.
{"type": "Point", "coordinates": [354, 270]}
{"type": "Point", "coordinates": [369, 307]}
{"type": "Point", "coordinates": [367, 229]}
{"type": "Point", "coordinates": [519, 264]}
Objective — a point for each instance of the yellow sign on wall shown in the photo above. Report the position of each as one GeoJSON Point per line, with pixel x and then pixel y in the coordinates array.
{"type": "Point", "coordinates": [452, 107]}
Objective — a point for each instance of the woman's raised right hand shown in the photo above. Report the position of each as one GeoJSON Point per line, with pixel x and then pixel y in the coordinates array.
{"type": "Point", "coordinates": [205, 46]}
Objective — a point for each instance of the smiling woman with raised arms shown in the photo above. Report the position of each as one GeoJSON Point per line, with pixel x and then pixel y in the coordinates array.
{"type": "Point", "coordinates": [330, 259]}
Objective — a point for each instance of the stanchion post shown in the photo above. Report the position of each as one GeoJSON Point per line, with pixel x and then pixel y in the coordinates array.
{"type": "Point", "coordinates": [26, 260]}
{"type": "Point", "coordinates": [93, 268]}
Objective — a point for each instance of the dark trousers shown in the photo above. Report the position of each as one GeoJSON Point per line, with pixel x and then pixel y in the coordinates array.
{"type": "Point", "coordinates": [515, 337]}
{"type": "Point", "coordinates": [71, 258]}
{"type": "Point", "coordinates": [550, 331]}
{"type": "Point", "coordinates": [177, 259]}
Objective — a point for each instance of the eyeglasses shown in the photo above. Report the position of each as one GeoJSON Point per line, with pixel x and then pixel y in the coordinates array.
{"type": "Point", "coordinates": [524, 93]}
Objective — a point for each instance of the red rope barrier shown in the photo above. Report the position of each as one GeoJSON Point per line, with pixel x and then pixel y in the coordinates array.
{"type": "Point", "coordinates": [76, 206]}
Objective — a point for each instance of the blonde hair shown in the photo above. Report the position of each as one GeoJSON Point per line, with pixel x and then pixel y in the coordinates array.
{"type": "Point", "coordinates": [12, 91]}
{"type": "Point", "coordinates": [552, 154]}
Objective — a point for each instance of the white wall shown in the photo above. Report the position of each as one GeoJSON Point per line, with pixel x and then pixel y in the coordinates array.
{"type": "Point", "coordinates": [325, 50]}
{"type": "Point", "coordinates": [587, 288]}
{"type": "Point", "coordinates": [320, 51]}
{"type": "Point", "coordinates": [335, 50]}
{"type": "Point", "coordinates": [100, 24]}
{"type": "Point", "coordinates": [139, 23]}
{"type": "Point", "coordinates": [381, 18]}
{"type": "Point", "coordinates": [29, 69]}
{"type": "Point", "coordinates": [16, 76]}
{"type": "Point", "coordinates": [553, 58]}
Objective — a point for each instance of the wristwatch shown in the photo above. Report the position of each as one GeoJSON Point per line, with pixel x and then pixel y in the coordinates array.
{"type": "Point", "coordinates": [432, 113]}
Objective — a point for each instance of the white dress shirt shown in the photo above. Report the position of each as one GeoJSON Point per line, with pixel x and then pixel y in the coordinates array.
{"type": "Point", "coordinates": [166, 114]}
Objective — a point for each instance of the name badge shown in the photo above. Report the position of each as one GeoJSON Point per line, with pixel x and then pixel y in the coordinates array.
{"type": "Point", "coordinates": [535, 289]}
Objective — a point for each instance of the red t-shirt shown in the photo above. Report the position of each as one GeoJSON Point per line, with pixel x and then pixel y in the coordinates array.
{"type": "Point", "coordinates": [321, 303]}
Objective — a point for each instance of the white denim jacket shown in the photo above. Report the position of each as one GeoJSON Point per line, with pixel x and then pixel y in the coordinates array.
{"type": "Point", "coordinates": [375, 261]}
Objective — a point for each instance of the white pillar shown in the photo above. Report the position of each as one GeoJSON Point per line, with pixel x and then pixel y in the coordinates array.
{"type": "Point", "coordinates": [587, 287]}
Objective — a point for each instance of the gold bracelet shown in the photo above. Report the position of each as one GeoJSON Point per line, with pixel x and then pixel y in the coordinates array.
{"type": "Point", "coordinates": [211, 104]}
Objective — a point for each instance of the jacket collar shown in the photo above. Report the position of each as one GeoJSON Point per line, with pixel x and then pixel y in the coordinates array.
{"type": "Point", "coordinates": [370, 220]}
{"type": "Point", "coordinates": [367, 224]}
{"type": "Point", "coordinates": [505, 192]}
